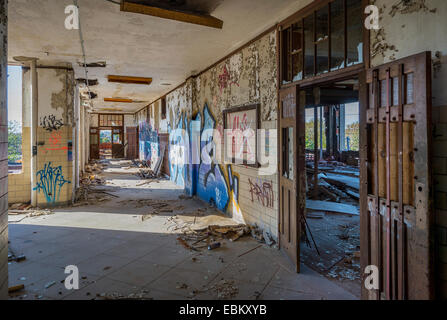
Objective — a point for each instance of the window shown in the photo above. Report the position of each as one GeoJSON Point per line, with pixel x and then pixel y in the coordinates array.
{"type": "Point", "coordinates": [15, 119]}
{"type": "Point", "coordinates": [111, 120]}
{"type": "Point", "coordinates": [288, 153]}
{"type": "Point", "coordinates": [328, 39]}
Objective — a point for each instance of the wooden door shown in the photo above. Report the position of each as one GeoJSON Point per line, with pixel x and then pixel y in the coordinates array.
{"type": "Point", "coordinates": [396, 188]}
{"type": "Point", "coordinates": [292, 193]}
{"type": "Point", "coordinates": [132, 143]}
{"type": "Point", "coordinates": [117, 143]}
{"type": "Point", "coordinates": [94, 143]}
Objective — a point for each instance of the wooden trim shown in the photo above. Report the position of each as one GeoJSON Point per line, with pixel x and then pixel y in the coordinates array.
{"type": "Point", "coordinates": [338, 75]}
{"type": "Point", "coordinates": [183, 16]}
{"type": "Point", "coordinates": [118, 100]}
{"type": "Point", "coordinates": [256, 107]}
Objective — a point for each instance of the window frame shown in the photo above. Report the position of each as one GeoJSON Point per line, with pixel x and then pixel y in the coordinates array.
{"type": "Point", "coordinates": [298, 18]}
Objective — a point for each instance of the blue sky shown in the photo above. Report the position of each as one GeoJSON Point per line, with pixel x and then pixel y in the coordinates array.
{"type": "Point", "coordinates": [15, 93]}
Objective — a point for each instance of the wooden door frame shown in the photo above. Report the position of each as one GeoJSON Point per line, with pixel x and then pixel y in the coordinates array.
{"type": "Point", "coordinates": [297, 173]}
{"type": "Point", "coordinates": [89, 141]}
{"type": "Point", "coordinates": [317, 81]}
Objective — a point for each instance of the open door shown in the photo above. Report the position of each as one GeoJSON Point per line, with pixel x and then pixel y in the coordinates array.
{"type": "Point", "coordinates": [395, 186]}
{"type": "Point", "coordinates": [292, 182]}
{"type": "Point", "coordinates": [94, 143]}
{"type": "Point", "coordinates": [117, 144]}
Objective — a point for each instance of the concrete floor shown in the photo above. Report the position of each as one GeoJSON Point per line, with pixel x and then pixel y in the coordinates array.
{"type": "Point", "coordinates": [118, 255]}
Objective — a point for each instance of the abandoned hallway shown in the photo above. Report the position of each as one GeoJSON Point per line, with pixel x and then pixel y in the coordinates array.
{"type": "Point", "coordinates": [120, 256]}
{"type": "Point", "coordinates": [223, 149]}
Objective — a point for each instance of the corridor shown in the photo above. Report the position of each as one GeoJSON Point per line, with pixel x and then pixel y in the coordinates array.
{"type": "Point", "coordinates": [119, 256]}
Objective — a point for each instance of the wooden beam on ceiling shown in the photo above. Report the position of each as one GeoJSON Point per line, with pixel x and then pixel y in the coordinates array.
{"type": "Point", "coordinates": [200, 19]}
{"type": "Point", "coordinates": [127, 79]}
{"type": "Point", "coordinates": [118, 100]}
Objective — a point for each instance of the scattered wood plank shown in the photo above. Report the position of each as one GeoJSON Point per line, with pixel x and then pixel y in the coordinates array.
{"type": "Point", "coordinates": [332, 207]}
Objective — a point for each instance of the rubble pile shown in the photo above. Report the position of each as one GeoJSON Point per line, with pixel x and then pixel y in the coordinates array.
{"type": "Point", "coordinates": [88, 193]}
{"type": "Point", "coordinates": [210, 237]}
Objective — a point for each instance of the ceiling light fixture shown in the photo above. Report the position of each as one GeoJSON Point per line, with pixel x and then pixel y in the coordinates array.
{"type": "Point", "coordinates": [128, 79]}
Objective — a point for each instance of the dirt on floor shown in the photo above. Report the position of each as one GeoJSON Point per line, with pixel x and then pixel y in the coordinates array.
{"type": "Point", "coordinates": [337, 238]}
{"type": "Point", "coordinates": [150, 241]}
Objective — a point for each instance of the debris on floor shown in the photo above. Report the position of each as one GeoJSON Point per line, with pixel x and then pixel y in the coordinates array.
{"type": "Point", "coordinates": [15, 289]}
{"type": "Point", "coordinates": [17, 215]}
{"type": "Point", "coordinates": [146, 174]}
{"type": "Point", "coordinates": [143, 295]}
{"type": "Point", "coordinates": [338, 240]}
{"type": "Point", "coordinates": [225, 289]}
{"type": "Point", "coordinates": [211, 237]}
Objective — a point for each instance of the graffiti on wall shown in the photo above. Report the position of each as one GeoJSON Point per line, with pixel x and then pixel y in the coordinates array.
{"type": "Point", "coordinates": [55, 143]}
{"type": "Point", "coordinates": [207, 179]}
{"type": "Point", "coordinates": [241, 129]}
{"type": "Point", "coordinates": [51, 123]}
{"type": "Point", "coordinates": [149, 142]}
{"type": "Point", "coordinates": [262, 191]}
{"type": "Point", "coordinates": [50, 181]}
{"type": "Point", "coordinates": [225, 80]}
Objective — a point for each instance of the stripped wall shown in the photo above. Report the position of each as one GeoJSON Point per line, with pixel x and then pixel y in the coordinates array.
{"type": "Point", "coordinates": [3, 153]}
{"type": "Point", "coordinates": [407, 28]}
{"type": "Point", "coordinates": [248, 77]}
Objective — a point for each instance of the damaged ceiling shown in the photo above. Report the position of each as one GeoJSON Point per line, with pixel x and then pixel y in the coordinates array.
{"type": "Point", "coordinates": [136, 45]}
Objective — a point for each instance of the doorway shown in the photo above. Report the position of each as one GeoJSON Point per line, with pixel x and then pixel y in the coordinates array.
{"type": "Point", "coordinates": [105, 144]}
{"type": "Point", "coordinates": [330, 241]}
{"type": "Point", "coordinates": [391, 171]}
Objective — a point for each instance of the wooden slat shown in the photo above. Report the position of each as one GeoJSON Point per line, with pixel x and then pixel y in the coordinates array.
{"type": "Point", "coordinates": [204, 20]}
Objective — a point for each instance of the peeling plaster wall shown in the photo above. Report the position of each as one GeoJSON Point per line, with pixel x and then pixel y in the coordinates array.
{"type": "Point", "coordinates": [3, 154]}
{"type": "Point", "coordinates": [247, 77]}
{"type": "Point", "coordinates": [411, 27]}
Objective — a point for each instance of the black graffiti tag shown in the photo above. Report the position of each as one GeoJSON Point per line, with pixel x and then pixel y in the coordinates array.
{"type": "Point", "coordinates": [50, 123]}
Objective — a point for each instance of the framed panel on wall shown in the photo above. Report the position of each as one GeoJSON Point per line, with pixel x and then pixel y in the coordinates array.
{"type": "Point", "coordinates": [241, 125]}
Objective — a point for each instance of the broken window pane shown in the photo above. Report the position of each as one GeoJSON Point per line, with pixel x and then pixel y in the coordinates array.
{"type": "Point", "coordinates": [354, 31]}
{"type": "Point", "coordinates": [409, 88]}
{"type": "Point", "coordinates": [337, 35]}
{"type": "Point", "coordinates": [323, 57]}
{"type": "Point", "coordinates": [309, 47]}
{"type": "Point", "coordinates": [322, 31]}
{"type": "Point", "coordinates": [291, 154]}
{"type": "Point", "coordinates": [297, 64]}
{"type": "Point", "coordinates": [297, 52]}
{"type": "Point", "coordinates": [322, 36]}
{"type": "Point", "coordinates": [395, 91]}
{"type": "Point", "coordinates": [286, 55]}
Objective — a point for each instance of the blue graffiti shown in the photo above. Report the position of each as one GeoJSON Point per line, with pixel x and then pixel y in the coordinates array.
{"type": "Point", "coordinates": [207, 180]}
{"type": "Point", "coordinates": [149, 142]}
{"type": "Point", "coordinates": [177, 147]}
{"type": "Point", "coordinates": [50, 181]}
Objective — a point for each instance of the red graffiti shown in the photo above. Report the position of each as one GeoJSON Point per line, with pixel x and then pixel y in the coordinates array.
{"type": "Point", "coordinates": [225, 80]}
{"type": "Point", "coordinates": [55, 143]}
{"type": "Point", "coordinates": [244, 128]}
{"type": "Point", "coordinates": [263, 192]}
